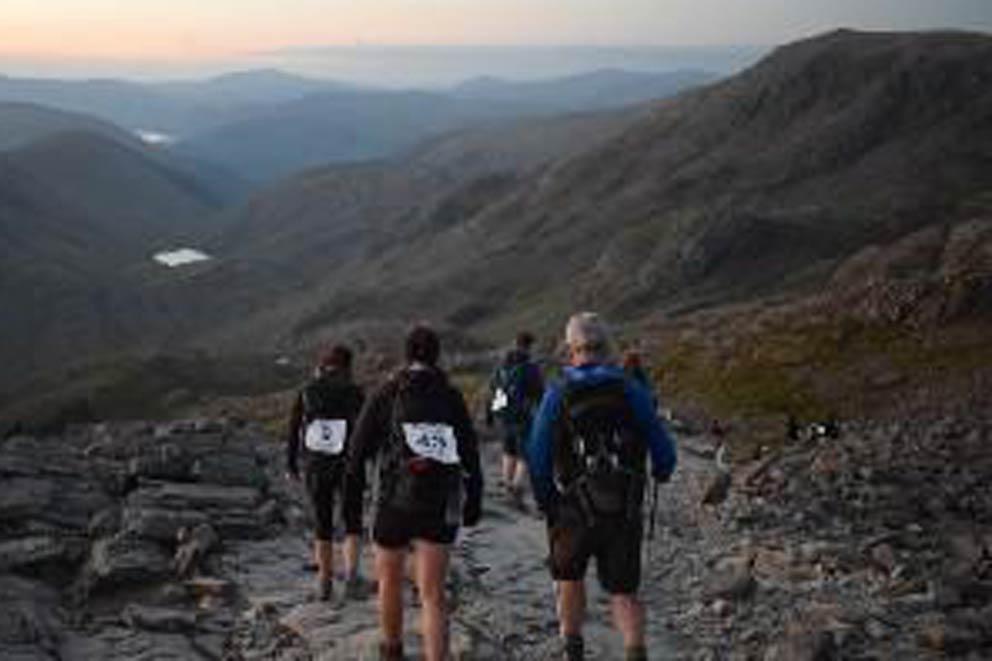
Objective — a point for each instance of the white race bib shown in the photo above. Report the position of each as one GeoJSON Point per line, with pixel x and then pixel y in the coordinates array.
{"type": "Point", "coordinates": [432, 441]}
{"type": "Point", "coordinates": [326, 436]}
{"type": "Point", "coordinates": [500, 400]}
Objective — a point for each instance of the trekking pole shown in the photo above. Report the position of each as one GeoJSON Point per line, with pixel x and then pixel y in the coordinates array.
{"type": "Point", "coordinates": [651, 523]}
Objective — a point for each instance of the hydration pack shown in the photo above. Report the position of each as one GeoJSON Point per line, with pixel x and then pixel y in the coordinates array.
{"type": "Point", "coordinates": [600, 455]}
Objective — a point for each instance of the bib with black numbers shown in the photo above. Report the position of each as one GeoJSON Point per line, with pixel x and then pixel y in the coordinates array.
{"type": "Point", "coordinates": [432, 440]}
{"type": "Point", "coordinates": [326, 436]}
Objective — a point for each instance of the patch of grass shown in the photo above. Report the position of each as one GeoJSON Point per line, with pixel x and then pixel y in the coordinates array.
{"type": "Point", "coordinates": [813, 370]}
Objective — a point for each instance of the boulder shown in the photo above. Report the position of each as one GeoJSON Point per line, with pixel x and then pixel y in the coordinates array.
{"type": "Point", "coordinates": [124, 560]}
{"type": "Point", "coordinates": [28, 552]}
{"type": "Point", "coordinates": [149, 618]}
{"type": "Point", "coordinates": [194, 545]}
{"type": "Point", "coordinates": [160, 524]}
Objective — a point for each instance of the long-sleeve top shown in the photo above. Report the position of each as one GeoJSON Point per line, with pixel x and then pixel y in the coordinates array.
{"type": "Point", "coordinates": [426, 396]}
{"type": "Point", "coordinates": [539, 448]}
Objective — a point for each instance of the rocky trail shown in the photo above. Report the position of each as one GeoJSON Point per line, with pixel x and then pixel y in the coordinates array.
{"type": "Point", "coordinates": [184, 541]}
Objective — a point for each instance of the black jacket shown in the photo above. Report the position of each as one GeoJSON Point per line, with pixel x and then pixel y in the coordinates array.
{"type": "Point", "coordinates": [428, 396]}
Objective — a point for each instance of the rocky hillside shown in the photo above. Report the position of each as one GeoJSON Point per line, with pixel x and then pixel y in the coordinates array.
{"type": "Point", "coordinates": [753, 185]}
{"type": "Point", "coordinates": [183, 540]}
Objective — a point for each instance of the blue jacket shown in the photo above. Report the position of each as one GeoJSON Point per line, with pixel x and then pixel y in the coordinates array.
{"type": "Point", "coordinates": [538, 448]}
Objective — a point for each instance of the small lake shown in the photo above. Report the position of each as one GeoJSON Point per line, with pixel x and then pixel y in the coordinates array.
{"type": "Point", "coordinates": [155, 138]}
{"type": "Point", "coordinates": [180, 257]}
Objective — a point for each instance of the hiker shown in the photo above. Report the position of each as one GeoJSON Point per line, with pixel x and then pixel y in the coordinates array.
{"type": "Point", "coordinates": [323, 417]}
{"type": "Point", "coordinates": [587, 457]}
{"type": "Point", "coordinates": [515, 390]}
{"type": "Point", "coordinates": [429, 483]}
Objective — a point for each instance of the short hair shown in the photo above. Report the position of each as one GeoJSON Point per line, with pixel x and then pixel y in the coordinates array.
{"type": "Point", "coordinates": [586, 331]}
{"type": "Point", "coordinates": [423, 345]}
{"type": "Point", "coordinates": [337, 355]}
{"type": "Point", "coordinates": [524, 340]}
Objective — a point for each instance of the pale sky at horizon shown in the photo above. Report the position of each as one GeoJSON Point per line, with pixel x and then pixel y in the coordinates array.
{"type": "Point", "coordinates": [63, 35]}
{"type": "Point", "coordinates": [178, 29]}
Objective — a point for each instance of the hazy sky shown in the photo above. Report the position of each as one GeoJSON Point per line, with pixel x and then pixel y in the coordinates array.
{"type": "Point", "coordinates": [163, 32]}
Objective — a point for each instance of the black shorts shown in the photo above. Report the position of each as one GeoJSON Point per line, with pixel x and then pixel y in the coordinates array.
{"type": "Point", "coordinates": [395, 529]}
{"type": "Point", "coordinates": [325, 482]}
{"type": "Point", "coordinates": [514, 437]}
{"type": "Point", "coordinates": [615, 543]}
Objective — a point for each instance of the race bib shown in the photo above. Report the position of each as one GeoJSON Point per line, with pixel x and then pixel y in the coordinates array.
{"type": "Point", "coordinates": [432, 441]}
{"type": "Point", "coordinates": [326, 436]}
{"type": "Point", "coordinates": [500, 400]}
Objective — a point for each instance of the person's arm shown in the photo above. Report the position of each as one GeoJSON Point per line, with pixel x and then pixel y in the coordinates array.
{"type": "Point", "coordinates": [369, 430]}
{"type": "Point", "coordinates": [489, 398]}
{"type": "Point", "coordinates": [538, 449]}
{"type": "Point", "coordinates": [354, 481]}
{"type": "Point", "coordinates": [468, 453]}
{"type": "Point", "coordinates": [535, 383]}
{"type": "Point", "coordinates": [660, 443]}
{"type": "Point", "coordinates": [293, 437]}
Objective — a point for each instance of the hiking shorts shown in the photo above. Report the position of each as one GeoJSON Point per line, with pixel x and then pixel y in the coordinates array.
{"type": "Point", "coordinates": [395, 529]}
{"type": "Point", "coordinates": [514, 437]}
{"type": "Point", "coordinates": [324, 482]}
{"type": "Point", "coordinates": [614, 543]}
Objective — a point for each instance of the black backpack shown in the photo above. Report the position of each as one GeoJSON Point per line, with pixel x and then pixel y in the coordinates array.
{"type": "Point", "coordinates": [424, 463]}
{"type": "Point", "coordinates": [600, 456]}
{"type": "Point", "coordinates": [510, 401]}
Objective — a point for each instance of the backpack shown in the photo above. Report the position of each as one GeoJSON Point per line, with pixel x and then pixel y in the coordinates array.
{"type": "Point", "coordinates": [510, 401]}
{"type": "Point", "coordinates": [326, 411]}
{"type": "Point", "coordinates": [425, 465]}
{"type": "Point", "coordinates": [600, 457]}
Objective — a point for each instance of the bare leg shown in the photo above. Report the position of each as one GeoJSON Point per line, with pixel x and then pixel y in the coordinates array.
{"type": "Point", "coordinates": [323, 556]}
{"type": "Point", "coordinates": [350, 551]}
{"type": "Point", "coordinates": [509, 467]}
{"type": "Point", "coordinates": [519, 474]}
{"type": "Point", "coordinates": [389, 565]}
{"type": "Point", "coordinates": [571, 607]}
{"type": "Point", "coordinates": [628, 617]}
{"type": "Point", "coordinates": [432, 567]}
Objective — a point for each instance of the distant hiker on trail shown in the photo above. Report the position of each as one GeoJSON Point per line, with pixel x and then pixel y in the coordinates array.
{"type": "Point", "coordinates": [587, 454]}
{"type": "Point", "coordinates": [429, 484]}
{"type": "Point", "coordinates": [515, 391]}
{"type": "Point", "coordinates": [323, 417]}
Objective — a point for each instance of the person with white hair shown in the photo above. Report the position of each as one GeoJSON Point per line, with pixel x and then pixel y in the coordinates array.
{"type": "Point", "coordinates": [587, 454]}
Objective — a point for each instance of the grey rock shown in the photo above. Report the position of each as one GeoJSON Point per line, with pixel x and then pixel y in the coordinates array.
{"type": "Point", "coordinates": [160, 524]}
{"type": "Point", "coordinates": [193, 548]}
{"type": "Point", "coordinates": [159, 619]}
{"type": "Point", "coordinates": [30, 552]}
{"type": "Point", "coordinates": [105, 523]}
{"type": "Point", "coordinates": [166, 462]}
{"type": "Point", "coordinates": [123, 560]}
{"type": "Point", "coordinates": [732, 580]}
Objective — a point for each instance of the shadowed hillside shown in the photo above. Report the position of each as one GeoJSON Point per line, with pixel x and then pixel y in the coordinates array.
{"type": "Point", "coordinates": [756, 188]}
{"type": "Point", "coordinates": [754, 185]}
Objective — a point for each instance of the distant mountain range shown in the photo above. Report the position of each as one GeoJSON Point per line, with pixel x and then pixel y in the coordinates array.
{"type": "Point", "coordinates": [595, 90]}
{"type": "Point", "coordinates": [263, 125]}
{"type": "Point", "coordinates": [761, 185]}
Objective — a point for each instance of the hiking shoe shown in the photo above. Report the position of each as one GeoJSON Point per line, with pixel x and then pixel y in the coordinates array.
{"type": "Point", "coordinates": [573, 648]}
{"type": "Point", "coordinates": [325, 590]}
{"type": "Point", "coordinates": [391, 652]}
{"type": "Point", "coordinates": [637, 653]}
{"type": "Point", "coordinates": [355, 588]}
